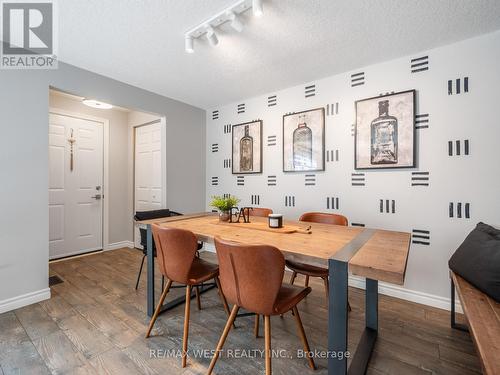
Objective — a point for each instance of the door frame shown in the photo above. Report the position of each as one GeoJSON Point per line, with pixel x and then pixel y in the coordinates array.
{"type": "Point", "coordinates": [105, 165]}
{"type": "Point", "coordinates": [163, 124]}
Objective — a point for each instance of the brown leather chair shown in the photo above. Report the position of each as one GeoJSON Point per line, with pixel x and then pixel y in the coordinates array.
{"type": "Point", "coordinates": [176, 252]}
{"type": "Point", "coordinates": [260, 211]}
{"type": "Point", "coordinates": [313, 271]}
{"type": "Point", "coordinates": [251, 278]}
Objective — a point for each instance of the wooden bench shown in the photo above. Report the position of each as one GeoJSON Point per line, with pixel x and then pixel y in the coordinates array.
{"type": "Point", "coordinates": [483, 321]}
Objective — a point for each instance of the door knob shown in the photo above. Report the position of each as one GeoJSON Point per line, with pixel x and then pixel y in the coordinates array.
{"type": "Point", "coordinates": [97, 196]}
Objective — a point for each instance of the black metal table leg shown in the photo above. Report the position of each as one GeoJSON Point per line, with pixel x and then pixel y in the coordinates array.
{"type": "Point", "coordinates": [151, 272]}
{"type": "Point", "coordinates": [337, 317]}
{"type": "Point", "coordinates": [366, 344]}
{"type": "Point", "coordinates": [338, 269]}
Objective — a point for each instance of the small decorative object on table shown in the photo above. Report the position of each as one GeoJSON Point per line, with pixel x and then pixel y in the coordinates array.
{"type": "Point", "coordinates": [275, 220]}
{"type": "Point", "coordinates": [224, 204]}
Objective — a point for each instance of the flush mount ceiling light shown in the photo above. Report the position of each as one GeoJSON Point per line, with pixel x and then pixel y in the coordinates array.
{"type": "Point", "coordinates": [230, 14]}
{"type": "Point", "coordinates": [96, 104]}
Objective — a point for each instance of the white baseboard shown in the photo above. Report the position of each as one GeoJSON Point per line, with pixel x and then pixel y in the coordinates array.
{"type": "Point", "coordinates": [24, 300]}
{"type": "Point", "coordinates": [119, 245]}
{"type": "Point", "coordinates": [395, 291]}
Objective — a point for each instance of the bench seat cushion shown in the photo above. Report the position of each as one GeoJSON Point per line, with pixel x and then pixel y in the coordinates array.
{"type": "Point", "coordinates": [477, 260]}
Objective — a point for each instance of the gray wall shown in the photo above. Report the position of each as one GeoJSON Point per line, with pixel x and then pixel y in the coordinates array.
{"type": "Point", "coordinates": [24, 107]}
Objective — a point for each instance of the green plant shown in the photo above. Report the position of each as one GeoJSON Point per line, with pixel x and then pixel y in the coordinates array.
{"type": "Point", "coordinates": [224, 204]}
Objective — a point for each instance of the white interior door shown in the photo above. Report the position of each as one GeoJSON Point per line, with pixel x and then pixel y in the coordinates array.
{"type": "Point", "coordinates": [150, 173]}
{"type": "Point", "coordinates": [75, 196]}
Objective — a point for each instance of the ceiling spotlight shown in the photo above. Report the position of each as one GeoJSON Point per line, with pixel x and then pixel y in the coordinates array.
{"type": "Point", "coordinates": [95, 104]}
{"type": "Point", "coordinates": [257, 8]}
{"type": "Point", "coordinates": [211, 36]}
{"type": "Point", "coordinates": [189, 44]}
{"type": "Point", "coordinates": [236, 23]}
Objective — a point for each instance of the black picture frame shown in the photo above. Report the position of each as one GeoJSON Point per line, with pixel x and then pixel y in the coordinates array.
{"type": "Point", "coordinates": [322, 153]}
{"type": "Point", "coordinates": [413, 144]}
{"type": "Point", "coordinates": [260, 149]}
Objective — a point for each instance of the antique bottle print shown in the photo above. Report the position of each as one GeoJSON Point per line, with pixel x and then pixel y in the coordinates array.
{"type": "Point", "coordinates": [302, 146]}
{"type": "Point", "coordinates": [384, 136]}
{"type": "Point", "coordinates": [246, 152]}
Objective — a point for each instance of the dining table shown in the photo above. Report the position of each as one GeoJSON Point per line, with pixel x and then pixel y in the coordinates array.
{"type": "Point", "coordinates": [373, 254]}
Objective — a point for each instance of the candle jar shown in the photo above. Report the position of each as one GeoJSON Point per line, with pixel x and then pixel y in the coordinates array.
{"type": "Point", "coordinates": [275, 220]}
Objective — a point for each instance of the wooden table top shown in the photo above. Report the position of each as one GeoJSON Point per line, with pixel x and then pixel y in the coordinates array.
{"type": "Point", "coordinates": [382, 257]}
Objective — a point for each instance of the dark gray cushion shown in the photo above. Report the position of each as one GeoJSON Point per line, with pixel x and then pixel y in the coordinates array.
{"type": "Point", "coordinates": [477, 260]}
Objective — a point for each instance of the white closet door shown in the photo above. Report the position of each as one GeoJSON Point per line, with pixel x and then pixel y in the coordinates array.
{"type": "Point", "coordinates": [75, 196]}
{"type": "Point", "coordinates": [149, 170]}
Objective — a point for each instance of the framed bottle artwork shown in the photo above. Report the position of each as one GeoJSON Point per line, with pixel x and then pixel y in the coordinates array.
{"type": "Point", "coordinates": [247, 148]}
{"type": "Point", "coordinates": [304, 141]}
{"type": "Point", "coordinates": [385, 131]}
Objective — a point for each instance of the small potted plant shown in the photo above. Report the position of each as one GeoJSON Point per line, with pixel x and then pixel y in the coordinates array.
{"type": "Point", "coordinates": [224, 205]}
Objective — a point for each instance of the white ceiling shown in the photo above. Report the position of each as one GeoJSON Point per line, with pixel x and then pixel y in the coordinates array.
{"type": "Point", "coordinates": [141, 41]}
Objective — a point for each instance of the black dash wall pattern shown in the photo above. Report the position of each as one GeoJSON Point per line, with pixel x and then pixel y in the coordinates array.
{"type": "Point", "coordinates": [226, 195]}
{"type": "Point", "coordinates": [240, 180]}
{"type": "Point", "coordinates": [459, 210]}
{"type": "Point", "coordinates": [310, 180]}
{"type": "Point", "coordinates": [289, 201]}
{"type": "Point", "coordinates": [255, 199]}
{"type": "Point", "coordinates": [227, 163]}
{"type": "Point", "coordinates": [271, 140]}
{"type": "Point", "coordinates": [332, 203]}
{"type": "Point", "coordinates": [215, 181]}
{"type": "Point", "coordinates": [357, 79]}
{"type": "Point", "coordinates": [421, 237]}
{"type": "Point", "coordinates": [358, 179]}
{"type": "Point", "coordinates": [455, 147]}
{"type": "Point", "coordinates": [387, 206]}
{"type": "Point", "coordinates": [215, 147]}
{"type": "Point", "coordinates": [419, 178]}
{"type": "Point", "coordinates": [215, 115]}
{"type": "Point", "coordinates": [458, 86]}
{"type": "Point", "coordinates": [272, 101]}
{"type": "Point", "coordinates": [357, 224]}
{"type": "Point", "coordinates": [310, 91]}
{"type": "Point", "coordinates": [332, 155]}
{"type": "Point", "coordinates": [420, 64]}
{"type": "Point", "coordinates": [227, 129]}
{"type": "Point", "coordinates": [422, 121]}
{"type": "Point", "coordinates": [332, 109]}
{"type": "Point", "coordinates": [271, 180]}
{"type": "Point", "coordinates": [241, 108]}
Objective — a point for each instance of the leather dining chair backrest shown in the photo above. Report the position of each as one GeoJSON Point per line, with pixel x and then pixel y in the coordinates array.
{"type": "Point", "coordinates": [324, 218]}
{"type": "Point", "coordinates": [176, 249]}
{"type": "Point", "coordinates": [260, 211]}
{"type": "Point", "coordinates": [250, 275]}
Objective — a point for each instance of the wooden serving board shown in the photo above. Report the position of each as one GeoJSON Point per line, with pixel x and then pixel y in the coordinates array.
{"type": "Point", "coordinates": [265, 227]}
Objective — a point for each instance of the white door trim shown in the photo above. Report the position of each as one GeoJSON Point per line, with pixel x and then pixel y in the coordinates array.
{"type": "Point", "coordinates": [105, 208]}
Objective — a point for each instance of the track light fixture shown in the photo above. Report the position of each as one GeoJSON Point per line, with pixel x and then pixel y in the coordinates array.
{"type": "Point", "coordinates": [236, 23]}
{"type": "Point", "coordinates": [231, 14]}
{"type": "Point", "coordinates": [189, 44]}
{"type": "Point", "coordinates": [211, 36]}
{"type": "Point", "coordinates": [257, 8]}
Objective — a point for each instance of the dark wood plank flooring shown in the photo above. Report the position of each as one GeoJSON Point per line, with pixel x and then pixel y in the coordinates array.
{"type": "Point", "coordinates": [95, 324]}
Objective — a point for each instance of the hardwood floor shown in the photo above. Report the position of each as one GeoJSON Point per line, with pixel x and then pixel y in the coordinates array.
{"type": "Point", "coordinates": [95, 323]}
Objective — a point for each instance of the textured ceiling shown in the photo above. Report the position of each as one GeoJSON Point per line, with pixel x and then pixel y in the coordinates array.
{"type": "Point", "coordinates": [141, 41]}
